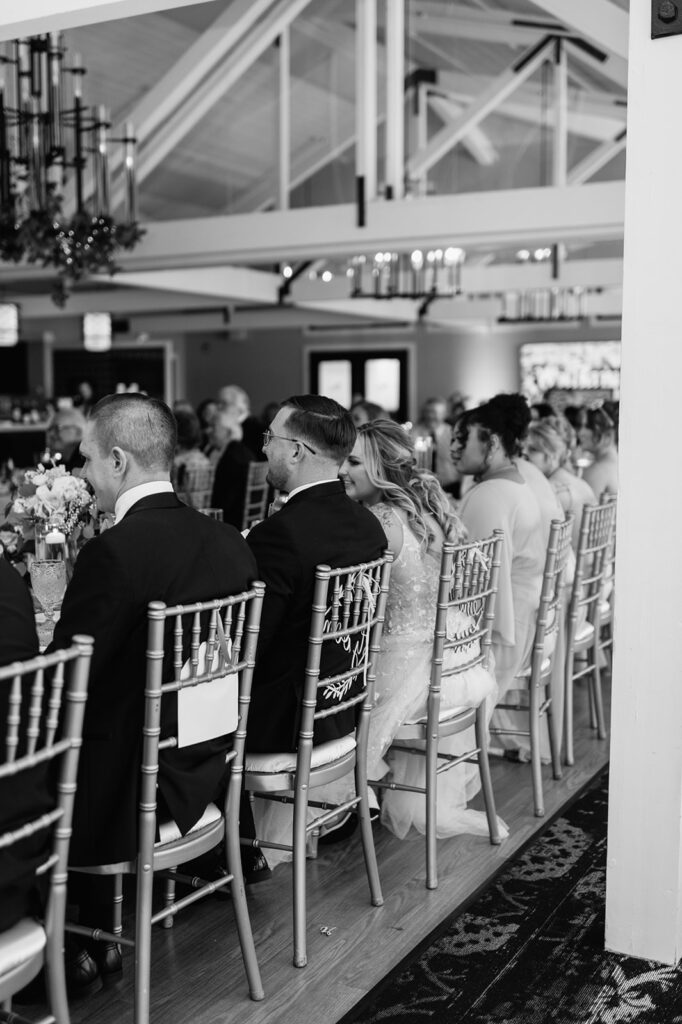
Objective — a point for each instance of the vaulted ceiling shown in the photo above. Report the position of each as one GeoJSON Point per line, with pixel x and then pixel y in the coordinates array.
{"type": "Point", "coordinates": [506, 144]}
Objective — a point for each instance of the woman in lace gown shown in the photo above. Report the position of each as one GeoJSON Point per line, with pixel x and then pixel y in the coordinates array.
{"type": "Point", "coordinates": [417, 516]}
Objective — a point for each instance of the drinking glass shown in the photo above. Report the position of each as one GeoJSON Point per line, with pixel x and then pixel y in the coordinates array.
{"type": "Point", "coordinates": [48, 579]}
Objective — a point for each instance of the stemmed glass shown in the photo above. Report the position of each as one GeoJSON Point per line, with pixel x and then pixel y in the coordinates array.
{"type": "Point", "coordinates": [48, 579]}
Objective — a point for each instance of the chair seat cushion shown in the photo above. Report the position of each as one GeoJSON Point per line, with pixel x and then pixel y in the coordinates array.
{"type": "Point", "coordinates": [20, 943]}
{"type": "Point", "coordinates": [444, 716]}
{"type": "Point", "coordinates": [525, 673]}
{"type": "Point", "coordinates": [585, 632]}
{"type": "Point", "coordinates": [170, 833]}
{"type": "Point", "coordinates": [324, 753]}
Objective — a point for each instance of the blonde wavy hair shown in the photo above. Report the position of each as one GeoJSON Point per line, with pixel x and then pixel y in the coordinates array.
{"type": "Point", "coordinates": [391, 467]}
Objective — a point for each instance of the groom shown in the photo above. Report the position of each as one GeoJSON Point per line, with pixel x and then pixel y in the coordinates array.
{"type": "Point", "coordinates": [305, 446]}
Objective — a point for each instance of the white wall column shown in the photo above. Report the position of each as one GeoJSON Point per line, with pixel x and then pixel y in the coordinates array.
{"type": "Point", "coordinates": [366, 100]}
{"type": "Point", "coordinates": [644, 875]}
{"type": "Point", "coordinates": [284, 133]}
{"type": "Point", "coordinates": [395, 98]}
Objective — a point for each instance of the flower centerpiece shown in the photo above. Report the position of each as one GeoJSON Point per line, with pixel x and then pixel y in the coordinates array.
{"type": "Point", "coordinates": [51, 507]}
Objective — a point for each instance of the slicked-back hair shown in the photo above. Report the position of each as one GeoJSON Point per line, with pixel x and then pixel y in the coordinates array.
{"type": "Point", "coordinates": [142, 426]}
{"type": "Point", "coordinates": [322, 423]}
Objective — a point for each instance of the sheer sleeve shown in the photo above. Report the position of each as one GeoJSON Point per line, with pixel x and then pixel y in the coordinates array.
{"type": "Point", "coordinates": [392, 525]}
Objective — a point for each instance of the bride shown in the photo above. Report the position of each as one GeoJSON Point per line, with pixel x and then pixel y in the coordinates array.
{"type": "Point", "coordinates": [416, 516]}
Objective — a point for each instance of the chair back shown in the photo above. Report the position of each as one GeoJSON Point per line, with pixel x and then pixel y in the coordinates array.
{"type": "Point", "coordinates": [593, 561]}
{"type": "Point", "coordinates": [465, 611]}
{"type": "Point", "coordinates": [549, 618]}
{"type": "Point", "coordinates": [255, 495]}
{"type": "Point", "coordinates": [43, 704]}
{"type": "Point", "coordinates": [195, 486]}
{"type": "Point", "coordinates": [208, 650]}
{"type": "Point", "coordinates": [349, 605]}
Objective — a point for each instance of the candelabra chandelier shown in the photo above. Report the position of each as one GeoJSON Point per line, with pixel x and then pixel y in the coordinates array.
{"type": "Point", "coordinates": [50, 141]}
{"type": "Point", "coordinates": [417, 275]}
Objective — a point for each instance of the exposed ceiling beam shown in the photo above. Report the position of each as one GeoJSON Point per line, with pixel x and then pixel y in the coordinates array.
{"type": "Point", "coordinates": [523, 216]}
{"type": "Point", "coordinates": [492, 96]}
{"type": "Point", "coordinates": [397, 310]}
{"type": "Point", "coordinates": [34, 17]}
{"type": "Point", "coordinates": [214, 85]}
{"type": "Point", "coordinates": [614, 69]}
{"type": "Point", "coordinates": [173, 89]}
{"type": "Point", "coordinates": [597, 159]}
{"type": "Point", "coordinates": [478, 142]}
{"type": "Point", "coordinates": [593, 120]}
{"type": "Point", "coordinates": [226, 283]}
{"type": "Point", "coordinates": [599, 21]}
{"type": "Point", "coordinates": [491, 26]}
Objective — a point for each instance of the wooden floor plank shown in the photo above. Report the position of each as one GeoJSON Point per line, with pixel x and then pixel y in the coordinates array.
{"type": "Point", "coordinates": [197, 972]}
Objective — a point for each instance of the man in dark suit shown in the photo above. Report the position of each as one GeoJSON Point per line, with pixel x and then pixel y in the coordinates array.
{"type": "Point", "coordinates": [18, 804]}
{"type": "Point", "coordinates": [307, 441]}
{"type": "Point", "coordinates": [158, 549]}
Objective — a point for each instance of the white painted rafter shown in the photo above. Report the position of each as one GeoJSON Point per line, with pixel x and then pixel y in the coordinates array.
{"type": "Point", "coordinates": [212, 88]}
{"type": "Point", "coordinates": [492, 96]}
{"type": "Point", "coordinates": [598, 158]}
{"type": "Point", "coordinates": [599, 21]}
{"type": "Point", "coordinates": [518, 217]}
{"type": "Point", "coordinates": [489, 26]}
{"type": "Point", "coordinates": [33, 17]}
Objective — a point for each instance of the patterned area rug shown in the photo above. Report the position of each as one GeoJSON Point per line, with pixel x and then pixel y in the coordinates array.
{"type": "Point", "coordinates": [530, 948]}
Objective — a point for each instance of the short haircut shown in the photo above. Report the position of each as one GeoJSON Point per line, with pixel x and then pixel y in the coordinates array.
{"type": "Point", "coordinates": [139, 425]}
{"type": "Point", "coordinates": [323, 424]}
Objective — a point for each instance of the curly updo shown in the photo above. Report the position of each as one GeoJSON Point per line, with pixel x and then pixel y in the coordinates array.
{"type": "Point", "coordinates": [506, 416]}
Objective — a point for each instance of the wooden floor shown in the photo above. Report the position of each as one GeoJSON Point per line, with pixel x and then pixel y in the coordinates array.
{"type": "Point", "coordinates": [197, 973]}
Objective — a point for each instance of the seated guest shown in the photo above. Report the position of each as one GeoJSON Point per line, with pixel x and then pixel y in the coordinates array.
{"type": "Point", "coordinates": [232, 468]}
{"type": "Point", "coordinates": [417, 517]}
{"type": "Point", "coordinates": [363, 411]}
{"type": "Point", "coordinates": [189, 461]}
{"type": "Point", "coordinates": [18, 642]}
{"type": "Point", "coordinates": [206, 411]}
{"type": "Point", "coordinates": [547, 450]}
{"type": "Point", "coordinates": [487, 445]}
{"type": "Point", "coordinates": [63, 436]}
{"type": "Point", "coordinates": [158, 549]}
{"type": "Point", "coordinates": [515, 498]}
{"type": "Point", "coordinates": [597, 434]}
{"type": "Point", "coordinates": [433, 424]}
{"type": "Point", "coordinates": [310, 437]}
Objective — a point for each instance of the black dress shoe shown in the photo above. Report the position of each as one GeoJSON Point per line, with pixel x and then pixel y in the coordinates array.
{"type": "Point", "coordinates": [107, 956]}
{"type": "Point", "coordinates": [82, 975]}
{"type": "Point", "coordinates": [255, 868]}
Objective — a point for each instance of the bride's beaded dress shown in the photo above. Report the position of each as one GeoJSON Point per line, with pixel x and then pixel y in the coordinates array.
{"type": "Point", "coordinates": [402, 682]}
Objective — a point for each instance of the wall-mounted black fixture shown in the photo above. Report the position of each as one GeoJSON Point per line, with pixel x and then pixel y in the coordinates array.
{"type": "Point", "coordinates": [666, 18]}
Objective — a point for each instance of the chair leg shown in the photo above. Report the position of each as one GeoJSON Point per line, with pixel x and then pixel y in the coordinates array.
{"type": "Point", "coordinates": [597, 700]}
{"type": "Point", "coordinates": [568, 709]}
{"type": "Point", "coordinates": [536, 766]}
{"type": "Point", "coordinates": [431, 796]}
{"type": "Point", "coordinates": [117, 907]}
{"type": "Point", "coordinates": [366, 834]}
{"type": "Point", "coordinates": [143, 939]}
{"type": "Point", "coordinates": [299, 872]}
{"type": "Point", "coordinates": [486, 778]}
{"type": "Point", "coordinates": [169, 898]}
{"type": "Point", "coordinates": [54, 958]}
{"type": "Point", "coordinates": [554, 744]}
{"type": "Point", "coordinates": [241, 910]}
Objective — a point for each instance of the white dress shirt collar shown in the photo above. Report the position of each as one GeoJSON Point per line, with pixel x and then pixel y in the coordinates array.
{"type": "Point", "coordinates": [126, 500]}
{"type": "Point", "coordinates": [304, 487]}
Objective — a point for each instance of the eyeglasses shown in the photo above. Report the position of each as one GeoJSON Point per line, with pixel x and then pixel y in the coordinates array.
{"type": "Point", "coordinates": [268, 436]}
